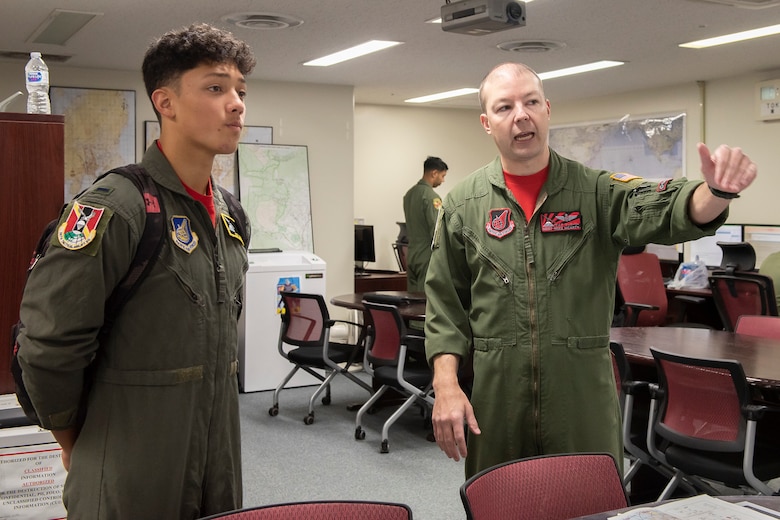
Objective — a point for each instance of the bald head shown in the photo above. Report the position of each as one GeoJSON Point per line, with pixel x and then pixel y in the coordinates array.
{"type": "Point", "coordinates": [505, 71]}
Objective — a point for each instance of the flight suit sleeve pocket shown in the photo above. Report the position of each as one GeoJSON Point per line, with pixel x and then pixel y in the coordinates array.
{"type": "Point", "coordinates": [585, 342]}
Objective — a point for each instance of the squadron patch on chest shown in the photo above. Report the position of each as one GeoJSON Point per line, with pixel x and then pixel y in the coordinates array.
{"type": "Point", "coordinates": [500, 223]}
{"type": "Point", "coordinates": [80, 228]}
{"type": "Point", "coordinates": [561, 221]}
{"type": "Point", "coordinates": [183, 235]}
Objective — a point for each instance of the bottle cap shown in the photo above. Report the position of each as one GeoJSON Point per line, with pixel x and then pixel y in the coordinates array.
{"type": "Point", "coordinates": [34, 55]}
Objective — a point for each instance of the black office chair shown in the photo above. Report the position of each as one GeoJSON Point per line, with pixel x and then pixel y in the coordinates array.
{"type": "Point", "coordinates": [306, 326]}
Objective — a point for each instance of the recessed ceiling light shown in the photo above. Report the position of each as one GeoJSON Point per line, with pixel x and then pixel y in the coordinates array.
{"type": "Point", "coordinates": [442, 95]}
{"type": "Point", "coordinates": [733, 38]}
{"type": "Point", "coordinates": [262, 20]}
{"type": "Point", "coordinates": [530, 46]}
{"type": "Point", "coordinates": [352, 52]}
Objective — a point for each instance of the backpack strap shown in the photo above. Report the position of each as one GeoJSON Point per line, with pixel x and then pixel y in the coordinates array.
{"type": "Point", "coordinates": [239, 215]}
{"type": "Point", "coordinates": [149, 245]}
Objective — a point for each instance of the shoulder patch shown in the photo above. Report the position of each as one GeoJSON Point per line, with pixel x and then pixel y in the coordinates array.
{"type": "Point", "coordinates": [80, 227]}
{"type": "Point", "coordinates": [437, 203]}
{"type": "Point", "coordinates": [624, 177]}
{"type": "Point", "coordinates": [230, 227]}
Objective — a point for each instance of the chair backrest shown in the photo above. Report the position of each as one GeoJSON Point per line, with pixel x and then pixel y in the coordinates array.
{"type": "Point", "coordinates": [322, 510]}
{"type": "Point", "coordinates": [304, 319]}
{"type": "Point", "coordinates": [737, 255]}
{"type": "Point", "coordinates": [701, 404]}
{"type": "Point", "coordinates": [550, 487]}
{"type": "Point", "coordinates": [401, 249]}
{"type": "Point", "coordinates": [640, 280]}
{"type": "Point", "coordinates": [387, 332]}
{"type": "Point", "coordinates": [620, 367]}
{"type": "Point", "coordinates": [763, 326]}
{"type": "Point", "coordinates": [738, 293]}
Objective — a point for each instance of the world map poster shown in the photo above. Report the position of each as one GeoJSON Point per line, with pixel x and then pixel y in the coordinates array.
{"type": "Point", "coordinates": [652, 147]}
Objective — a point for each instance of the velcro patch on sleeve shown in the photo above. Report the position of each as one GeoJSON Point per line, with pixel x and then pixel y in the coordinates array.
{"type": "Point", "coordinates": [624, 177]}
{"type": "Point", "coordinates": [83, 228]}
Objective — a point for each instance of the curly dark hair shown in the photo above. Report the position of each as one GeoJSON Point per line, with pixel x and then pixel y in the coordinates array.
{"type": "Point", "coordinates": [180, 50]}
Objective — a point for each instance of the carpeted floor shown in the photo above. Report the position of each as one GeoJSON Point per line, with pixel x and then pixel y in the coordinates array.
{"type": "Point", "coordinates": [286, 460]}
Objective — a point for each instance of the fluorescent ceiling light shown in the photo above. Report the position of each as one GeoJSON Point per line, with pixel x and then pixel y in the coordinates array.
{"type": "Point", "coordinates": [442, 95]}
{"type": "Point", "coordinates": [588, 67]}
{"type": "Point", "coordinates": [732, 38]}
{"type": "Point", "coordinates": [352, 52]}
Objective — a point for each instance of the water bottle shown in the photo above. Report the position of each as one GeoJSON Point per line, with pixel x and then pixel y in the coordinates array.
{"type": "Point", "coordinates": [37, 74]}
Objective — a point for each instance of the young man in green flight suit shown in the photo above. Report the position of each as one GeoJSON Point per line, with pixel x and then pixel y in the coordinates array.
{"type": "Point", "coordinates": [421, 205]}
{"type": "Point", "coordinates": [522, 279]}
{"type": "Point", "coordinates": [151, 430]}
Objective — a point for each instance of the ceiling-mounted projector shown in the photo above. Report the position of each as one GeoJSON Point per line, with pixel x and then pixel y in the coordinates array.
{"type": "Point", "coordinates": [479, 17]}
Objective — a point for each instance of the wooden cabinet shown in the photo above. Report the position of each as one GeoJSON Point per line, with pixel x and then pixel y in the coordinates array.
{"type": "Point", "coordinates": [32, 173]}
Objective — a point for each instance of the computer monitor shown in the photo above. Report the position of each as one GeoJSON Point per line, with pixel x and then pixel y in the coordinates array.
{"type": "Point", "coordinates": [364, 244]}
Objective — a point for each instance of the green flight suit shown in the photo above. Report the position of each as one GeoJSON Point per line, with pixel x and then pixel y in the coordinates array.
{"type": "Point", "coordinates": [533, 302]}
{"type": "Point", "coordinates": [161, 435]}
{"type": "Point", "coordinates": [421, 205]}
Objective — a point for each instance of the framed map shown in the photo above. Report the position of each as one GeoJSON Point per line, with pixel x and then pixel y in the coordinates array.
{"type": "Point", "coordinates": [652, 147]}
{"type": "Point", "coordinates": [99, 132]}
{"type": "Point", "coordinates": [274, 186]}
{"type": "Point", "coordinates": [224, 169]}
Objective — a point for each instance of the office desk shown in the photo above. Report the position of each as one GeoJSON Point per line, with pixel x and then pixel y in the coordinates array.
{"type": "Point", "coordinates": [414, 310]}
{"type": "Point", "coordinates": [370, 281]}
{"type": "Point", "coordinates": [760, 357]}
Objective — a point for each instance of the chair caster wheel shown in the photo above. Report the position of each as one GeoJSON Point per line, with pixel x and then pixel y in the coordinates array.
{"type": "Point", "coordinates": [360, 433]}
{"type": "Point", "coordinates": [309, 419]}
{"type": "Point", "coordinates": [326, 400]}
{"type": "Point", "coordinates": [385, 447]}
{"type": "Point", "coordinates": [273, 411]}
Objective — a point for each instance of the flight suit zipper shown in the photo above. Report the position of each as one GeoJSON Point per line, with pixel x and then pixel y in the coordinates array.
{"type": "Point", "coordinates": [533, 322]}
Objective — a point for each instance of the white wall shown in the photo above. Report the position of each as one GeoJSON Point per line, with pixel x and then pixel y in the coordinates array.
{"type": "Point", "coordinates": [392, 142]}
{"type": "Point", "coordinates": [318, 116]}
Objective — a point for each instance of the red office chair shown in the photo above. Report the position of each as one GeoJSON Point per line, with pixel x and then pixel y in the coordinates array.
{"type": "Point", "coordinates": [306, 325]}
{"type": "Point", "coordinates": [386, 360]}
{"type": "Point", "coordinates": [706, 424]}
{"type": "Point", "coordinates": [641, 286]}
{"type": "Point", "coordinates": [762, 326]}
{"type": "Point", "coordinates": [737, 293]}
{"type": "Point", "coordinates": [634, 425]}
{"type": "Point", "coordinates": [321, 510]}
{"type": "Point", "coordinates": [550, 487]}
